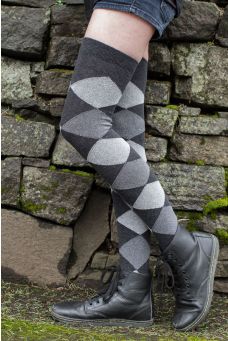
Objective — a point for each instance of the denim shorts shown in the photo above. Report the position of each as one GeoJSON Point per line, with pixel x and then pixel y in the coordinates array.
{"type": "Point", "coordinates": [159, 13]}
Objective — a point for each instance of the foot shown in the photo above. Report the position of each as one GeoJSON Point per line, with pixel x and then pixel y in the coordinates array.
{"type": "Point", "coordinates": [192, 258]}
{"type": "Point", "coordinates": [126, 302]}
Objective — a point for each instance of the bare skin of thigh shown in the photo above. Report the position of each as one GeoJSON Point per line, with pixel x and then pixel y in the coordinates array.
{"type": "Point", "coordinates": [124, 31]}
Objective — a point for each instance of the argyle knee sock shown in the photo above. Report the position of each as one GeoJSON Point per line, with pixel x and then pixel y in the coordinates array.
{"type": "Point", "coordinates": [129, 123]}
{"type": "Point", "coordinates": [100, 76]}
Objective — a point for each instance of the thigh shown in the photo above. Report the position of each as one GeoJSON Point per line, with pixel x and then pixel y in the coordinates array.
{"type": "Point", "coordinates": [124, 31]}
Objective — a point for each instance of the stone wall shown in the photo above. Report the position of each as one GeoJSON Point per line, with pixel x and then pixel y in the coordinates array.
{"type": "Point", "coordinates": [57, 218]}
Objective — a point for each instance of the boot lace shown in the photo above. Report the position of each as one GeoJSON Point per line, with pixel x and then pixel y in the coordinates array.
{"type": "Point", "coordinates": [109, 287]}
{"type": "Point", "coordinates": [171, 277]}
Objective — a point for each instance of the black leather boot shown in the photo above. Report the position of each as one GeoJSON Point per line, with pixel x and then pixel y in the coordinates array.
{"type": "Point", "coordinates": [192, 258]}
{"type": "Point", "coordinates": [127, 301]}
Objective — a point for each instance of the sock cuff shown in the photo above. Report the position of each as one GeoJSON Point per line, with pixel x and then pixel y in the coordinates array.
{"type": "Point", "coordinates": [90, 46]}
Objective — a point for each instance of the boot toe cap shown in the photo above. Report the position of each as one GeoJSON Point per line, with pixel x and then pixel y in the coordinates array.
{"type": "Point", "coordinates": [60, 309]}
{"type": "Point", "coordinates": [184, 320]}
{"type": "Point", "coordinates": [66, 310]}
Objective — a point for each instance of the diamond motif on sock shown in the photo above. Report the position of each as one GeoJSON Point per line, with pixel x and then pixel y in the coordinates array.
{"type": "Point", "coordinates": [127, 251]}
{"type": "Point", "coordinates": [132, 96]}
{"type": "Point", "coordinates": [82, 125]}
{"type": "Point", "coordinates": [91, 90]}
{"type": "Point", "coordinates": [147, 201]}
{"type": "Point", "coordinates": [109, 152]}
{"type": "Point", "coordinates": [130, 220]}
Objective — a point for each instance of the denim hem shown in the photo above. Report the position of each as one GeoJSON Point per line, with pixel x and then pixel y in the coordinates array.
{"type": "Point", "coordinates": [132, 9]}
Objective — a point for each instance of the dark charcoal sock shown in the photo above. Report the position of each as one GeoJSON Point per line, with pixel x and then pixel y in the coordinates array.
{"type": "Point", "coordinates": [129, 123]}
{"type": "Point", "coordinates": [100, 77]}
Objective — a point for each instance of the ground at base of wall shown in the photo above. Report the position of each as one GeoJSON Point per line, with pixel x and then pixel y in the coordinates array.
{"type": "Point", "coordinates": [25, 316]}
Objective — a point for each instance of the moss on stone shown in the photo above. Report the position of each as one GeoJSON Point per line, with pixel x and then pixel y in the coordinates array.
{"type": "Point", "coordinates": [50, 187]}
{"type": "Point", "coordinates": [67, 170]}
{"type": "Point", "coordinates": [200, 162]}
{"type": "Point", "coordinates": [61, 71]}
{"type": "Point", "coordinates": [61, 210]}
{"type": "Point", "coordinates": [22, 188]}
{"type": "Point", "coordinates": [222, 234]}
{"type": "Point", "coordinates": [63, 222]}
{"type": "Point", "coordinates": [80, 173]}
{"type": "Point", "coordinates": [19, 118]}
{"type": "Point", "coordinates": [172, 106]}
{"type": "Point", "coordinates": [226, 177]}
{"type": "Point", "coordinates": [192, 219]}
{"type": "Point", "coordinates": [52, 168]}
{"type": "Point", "coordinates": [214, 205]}
{"type": "Point", "coordinates": [31, 207]}
{"type": "Point", "coordinates": [4, 190]}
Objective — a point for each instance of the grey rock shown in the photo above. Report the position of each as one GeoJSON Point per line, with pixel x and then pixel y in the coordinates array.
{"type": "Point", "coordinates": [55, 195]}
{"type": "Point", "coordinates": [188, 187]}
{"type": "Point", "coordinates": [210, 150]}
{"type": "Point", "coordinates": [223, 114]}
{"type": "Point", "coordinates": [22, 137]}
{"type": "Point", "coordinates": [62, 52]}
{"type": "Point", "coordinates": [30, 115]}
{"type": "Point", "coordinates": [159, 59]}
{"type": "Point", "coordinates": [26, 103]}
{"type": "Point", "coordinates": [156, 148]}
{"type": "Point", "coordinates": [30, 3]}
{"type": "Point", "coordinates": [24, 30]}
{"type": "Point", "coordinates": [99, 260]}
{"type": "Point", "coordinates": [223, 252]}
{"type": "Point", "coordinates": [90, 230]}
{"type": "Point", "coordinates": [221, 285]}
{"type": "Point", "coordinates": [157, 92]}
{"type": "Point", "coordinates": [36, 69]}
{"type": "Point", "coordinates": [203, 125]}
{"type": "Point", "coordinates": [184, 110]}
{"type": "Point", "coordinates": [210, 225]}
{"type": "Point", "coordinates": [152, 264]}
{"type": "Point", "coordinates": [197, 22]}
{"type": "Point", "coordinates": [10, 181]}
{"type": "Point", "coordinates": [101, 182]}
{"type": "Point", "coordinates": [90, 278]}
{"type": "Point", "coordinates": [222, 32]}
{"type": "Point", "coordinates": [200, 78]}
{"type": "Point", "coordinates": [161, 120]}
{"type": "Point", "coordinates": [68, 21]}
{"type": "Point", "coordinates": [53, 82]}
{"type": "Point", "coordinates": [222, 269]}
{"type": "Point", "coordinates": [56, 106]}
{"type": "Point", "coordinates": [51, 106]}
{"type": "Point", "coordinates": [65, 154]}
{"type": "Point", "coordinates": [35, 162]}
{"type": "Point", "coordinates": [34, 250]}
{"type": "Point", "coordinates": [112, 260]}
{"type": "Point", "coordinates": [16, 83]}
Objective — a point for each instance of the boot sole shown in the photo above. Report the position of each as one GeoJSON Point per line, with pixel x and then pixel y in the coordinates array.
{"type": "Point", "coordinates": [106, 322]}
{"type": "Point", "coordinates": [214, 259]}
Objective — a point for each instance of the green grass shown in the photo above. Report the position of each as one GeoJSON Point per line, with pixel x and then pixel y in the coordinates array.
{"type": "Point", "coordinates": [25, 316]}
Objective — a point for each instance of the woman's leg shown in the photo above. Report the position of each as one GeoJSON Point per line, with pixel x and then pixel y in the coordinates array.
{"type": "Point", "coordinates": [133, 234]}
{"type": "Point", "coordinates": [126, 32]}
{"type": "Point", "coordinates": [109, 54]}
{"type": "Point", "coordinates": [106, 63]}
